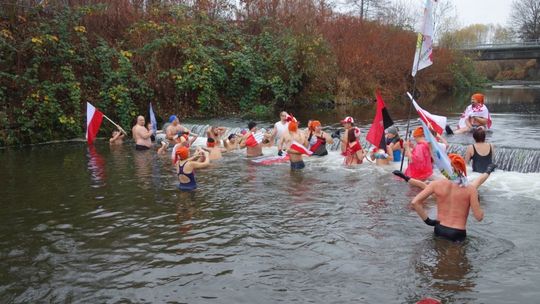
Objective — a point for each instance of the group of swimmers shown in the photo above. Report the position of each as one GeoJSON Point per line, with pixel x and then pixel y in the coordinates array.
{"type": "Point", "coordinates": [454, 198]}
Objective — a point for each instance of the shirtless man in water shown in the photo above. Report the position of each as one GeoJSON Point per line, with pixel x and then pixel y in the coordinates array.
{"type": "Point", "coordinates": [453, 204]}
{"type": "Point", "coordinates": [141, 135]}
{"type": "Point", "coordinates": [291, 137]}
{"type": "Point", "coordinates": [173, 128]}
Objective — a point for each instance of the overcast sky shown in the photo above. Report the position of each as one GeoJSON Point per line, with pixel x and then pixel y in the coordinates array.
{"type": "Point", "coordinates": [483, 11]}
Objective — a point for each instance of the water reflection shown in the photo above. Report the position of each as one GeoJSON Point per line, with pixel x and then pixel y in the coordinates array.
{"type": "Point", "coordinates": [143, 168]}
{"type": "Point", "coordinates": [444, 268]}
{"type": "Point", "coordinates": [96, 165]}
{"type": "Point", "coordinates": [185, 210]}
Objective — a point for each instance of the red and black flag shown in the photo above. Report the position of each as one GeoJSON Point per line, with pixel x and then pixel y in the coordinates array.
{"type": "Point", "coordinates": [381, 121]}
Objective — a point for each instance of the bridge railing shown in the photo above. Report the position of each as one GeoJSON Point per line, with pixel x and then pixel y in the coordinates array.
{"type": "Point", "coordinates": [514, 44]}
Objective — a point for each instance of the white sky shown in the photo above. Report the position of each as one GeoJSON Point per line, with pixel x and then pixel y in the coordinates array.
{"type": "Point", "coordinates": [483, 11]}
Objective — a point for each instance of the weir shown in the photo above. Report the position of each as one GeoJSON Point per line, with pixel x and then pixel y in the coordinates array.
{"type": "Point", "coordinates": [514, 159]}
{"type": "Point", "coordinates": [509, 158]}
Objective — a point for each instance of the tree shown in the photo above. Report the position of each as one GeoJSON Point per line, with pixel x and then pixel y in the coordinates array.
{"type": "Point", "coordinates": [400, 13]}
{"type": "Point", "coordinates": [367, 9]}
{"type": "Point", "coordinates": [468, 36]}
{"type": "Point", "coordinates": [525, 18]}
{"type": "Point", "coordinates": [501, 34]}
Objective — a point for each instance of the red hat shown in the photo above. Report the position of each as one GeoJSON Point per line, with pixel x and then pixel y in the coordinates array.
{"type": "Point", "coordinates": [458, 163]}
{"type": "Point", "coordinates": [348, 119]}
{"type": "Point", "coordinates": [291, 118]}
{"type": "Point", "coordinates": [478, 97]}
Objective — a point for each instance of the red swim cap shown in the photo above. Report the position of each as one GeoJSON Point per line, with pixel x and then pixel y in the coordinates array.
{"type": "Point", "coordinates": [314, 124]}
{"type": "Point", "coordinates": [293, 126]}
{"type": "Point", "coordinates": [182, 153]}
{"type": "Point", "coordinates": [418, 132]}
{"type": "Point", "coordinates": [478, 97]}
{"type": "Point", "coordinates": [458, 163]}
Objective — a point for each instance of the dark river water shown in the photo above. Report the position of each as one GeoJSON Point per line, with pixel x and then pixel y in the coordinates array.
{"type": "Point", "coordinates": [108, 225]}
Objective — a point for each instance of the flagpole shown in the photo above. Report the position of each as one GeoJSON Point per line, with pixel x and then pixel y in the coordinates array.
{"type": "Point", "coordinates": [410, 108]}
{"type": "Point", "coordinates": [428, 17]}
{"type": "Point", "coordinates": [120, 128]}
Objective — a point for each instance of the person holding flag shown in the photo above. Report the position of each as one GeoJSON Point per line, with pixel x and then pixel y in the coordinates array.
{"type": "Point", "coordinates": [117, 138]}
{"type": "Point", "coordinates": [420, 166]}
{"type": "Point", "coordinates": [94, 118]}
{"type": "Point", "coordinates": [443, 162]}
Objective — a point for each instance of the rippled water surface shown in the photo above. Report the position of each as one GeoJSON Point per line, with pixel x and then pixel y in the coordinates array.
{"type": "Point", "coordinates": [107, 225]}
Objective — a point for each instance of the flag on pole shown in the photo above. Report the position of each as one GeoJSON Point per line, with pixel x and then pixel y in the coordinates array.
{"type": "Point", "coordinates": [152, 119]}
{"type": "Point", "coordinates": [440, 158]}
{"type": "Point", "coordinates": [435, 122]}
{"type": "Point", "coordinates": [381, 121]}
{"type": "Point", "coordinates": [424, 42]}
{"type": "Point", "coordinates": [93, 121]}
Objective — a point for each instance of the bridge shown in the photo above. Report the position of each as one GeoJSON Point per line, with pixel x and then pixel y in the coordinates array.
{"type": "Point", "coordinates": [503, 51]}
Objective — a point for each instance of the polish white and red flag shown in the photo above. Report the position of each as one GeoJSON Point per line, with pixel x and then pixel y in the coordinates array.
{"type": "Point", "coordinates": [254, 139]}
{"type": "Point", "coordinates": [93, 121]}
{"type": "Point", "coordinates": [434, 122]}
{"type": "Point", "coordinates": [298, 147]}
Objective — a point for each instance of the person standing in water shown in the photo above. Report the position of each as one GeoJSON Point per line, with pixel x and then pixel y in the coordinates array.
{"type": "Point", "coordinates": [173, 128]}
{"type": "Point", "coordinates": [231, 143]}
{"type": "Point", "coordinates": [318, 139]}
{"type": "Point", "coordinates": [481, 153]}
{"type": "Point", "coordinates": [454, 200]}
{"type": "Point", "coordinates": [420, 166]}
{"type": "Point", "coordinates": [295, 143]}
{"type": "Point", "coordinates": [280, 127]}
{"type": "Point", "coordinates": [394, 143]}
{"type": "Point", "coordinates": [348, 124]}
{"type": "Point", "coordinates": [252, 140]}
{"type": "Point", "coordinates": [141, 135]}
{"type": "Point", "coordinates": [215, 151]}
{"type": "Point", "coordinates": [185, 167]}
{"type": "Point", "coordinates": [216, 133]}
{"type": "Point", "coordinates": [354, 154]}
{"type": "Point", "coordinates": [117, 138]}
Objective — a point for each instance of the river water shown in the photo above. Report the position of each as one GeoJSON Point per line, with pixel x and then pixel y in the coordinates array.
{"type": "Point", "coordinates": [107, 225]}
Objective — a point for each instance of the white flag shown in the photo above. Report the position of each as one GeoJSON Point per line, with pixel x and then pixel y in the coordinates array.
{"type": "Point", "coordinates": [424, 43]}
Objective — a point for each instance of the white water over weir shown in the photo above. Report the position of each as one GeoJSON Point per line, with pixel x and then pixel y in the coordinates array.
{"type": "Point", "coordinates": [509, 158]}
{"type": "Point", "coordinates": [524, 160]}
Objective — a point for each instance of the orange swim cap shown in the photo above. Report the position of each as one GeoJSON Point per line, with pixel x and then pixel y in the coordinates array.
{"type": "Point", "coordinates": [293, 126]}
{"type": "Point", "coordinates": [458, 163]}
{"type": "Point", "coordinates": [182, 153]}
{"type": "Point", "coordinates": [478, 97]}
{"type": "Point", "coordinates": [314, 124]}
{"type": "Point", "coordinates": [418, 132]}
